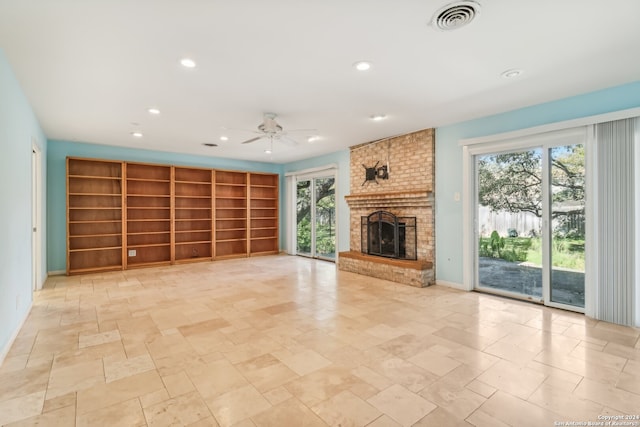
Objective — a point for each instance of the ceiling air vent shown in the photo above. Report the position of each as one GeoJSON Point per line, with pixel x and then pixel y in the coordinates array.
{"type": "Point", "coordinates": [455, 15]}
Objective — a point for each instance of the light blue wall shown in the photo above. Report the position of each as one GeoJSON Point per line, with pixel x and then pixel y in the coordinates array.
{"type": "Point", "coordinates": [56, 175]}
{"type": "Point", "coordinates": [449, 158]}
{"type": "Point", "coordinates": [342, 160]}
{"type": "Point", "coordinates": [18, 127]}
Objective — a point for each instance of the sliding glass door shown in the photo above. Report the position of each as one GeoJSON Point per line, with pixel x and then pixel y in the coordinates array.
{"type": "Point", "coordinates": [316, 218]}
{"type": "Point", "coordinates": [509, 216]}
{"type": "Point", "coordinates": [567, 220]}
{"type": "Point", "coordinates": [530, 222]}
{"type": "Point", "coordinates": [305, 231]}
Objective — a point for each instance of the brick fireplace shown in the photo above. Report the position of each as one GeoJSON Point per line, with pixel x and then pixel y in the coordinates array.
{"type": "Point", "coordinates": [396, 176]}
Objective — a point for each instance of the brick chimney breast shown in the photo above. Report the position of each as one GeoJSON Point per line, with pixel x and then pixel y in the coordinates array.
{"type": "Point", "coordinates": [407, 191]}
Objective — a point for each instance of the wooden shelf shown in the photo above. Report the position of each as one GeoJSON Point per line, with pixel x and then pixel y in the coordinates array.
{"type": "Point", "coordinates": [231, 205]}
{"type": "Point", "coordinates": [94, 215]}
{"type": "Point", "coordinates": [81, 236]}
{"type": "Point", "coordinates": [149, 213]}
{"type": "Point", "coordinates": [95, 269]}
{"type": "Point", "coordinates": [231, 248]}
{"type": "Point", "coordinates": [93, 208]}
{"type": "Point", "coordinates": [96, 222]}
{"type": "Point", "coordinates": [193, 214]}
{"type": "Point", "coordinates": [95, 249]}
{"type": "Point", "coordinates": [95, 177]}
{"type": "Point", "coordinates": [150, 195]}
{"type": "Point", "coordinates": [208, 242]}
{"type": "Point", "coordinates": [131, 179]}
{"type": "Point", "coordinates": [231, 185]}
{"type": "Point", "coordinates": [150, 254]}
{"type": "Point", "coordinates": [146, 245]}
{"type": "Point", "coordinates": [94, 194]}
{"type": "Point", "coordinates": [166, 214]}
{"type": "Point", "coordinates": [263, 213]}
{"type": "Point", "coordinates": [95, 242]}
{"type": "Point", "coordinates": [148, 233]}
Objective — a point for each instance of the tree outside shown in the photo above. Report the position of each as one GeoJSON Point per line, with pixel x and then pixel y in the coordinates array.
{"type": "Point", "coordinates": [510, 198]}
{"type": "Point", "coordinates": [512, 183]}
{"type": "Point", "coordinates": [324, 213]}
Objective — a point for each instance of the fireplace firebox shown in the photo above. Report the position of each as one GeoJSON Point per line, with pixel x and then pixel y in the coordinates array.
{"type": "Point", "coordinates": [387, 235]}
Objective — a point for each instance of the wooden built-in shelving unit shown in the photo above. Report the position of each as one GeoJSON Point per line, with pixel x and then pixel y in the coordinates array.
{"type": "Point", "coordinates": [231, 213]}
{"type": "Point", "coordinates": [148, 214]}
{"type": "Point", "coordinates": [94, 215]}
{"type": "Point", "coordinates": [193, 222]}
{"type": "Point", "coordinates": [263, 213]}
{"type": "Point", "coordinates": [124, 215]}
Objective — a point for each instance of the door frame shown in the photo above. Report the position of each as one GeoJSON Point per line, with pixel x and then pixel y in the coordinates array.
{"type": "Point", "coordinates": [327, 171]}
{"type": "Point", "coordinates": [545, 140]}
{"type": "Point", "coordinates": [313, 209]}
{"type": "Point", "coordinates": [36, 216]}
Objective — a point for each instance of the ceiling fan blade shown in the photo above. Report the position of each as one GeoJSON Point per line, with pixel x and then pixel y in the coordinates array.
{"type": "Point", "coordinates": [287, 140]}
{"type": "Point", "coordinates": [252, 140]}
{"type": "Point", "coordinates": [302, 130]}
{"type": "Point", "coordinates": [243, 130]}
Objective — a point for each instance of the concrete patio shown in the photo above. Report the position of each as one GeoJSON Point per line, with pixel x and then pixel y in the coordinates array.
{"type": "Point", "coordinates": [568, 286]}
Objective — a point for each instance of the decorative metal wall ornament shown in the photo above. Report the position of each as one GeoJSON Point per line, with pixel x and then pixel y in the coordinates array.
{"type": "Point", "coordinates": [375, 172]}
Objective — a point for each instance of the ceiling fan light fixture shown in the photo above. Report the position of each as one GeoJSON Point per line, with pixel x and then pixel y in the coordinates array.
{"type": "Point", "coordinates": [188, 63]}
{"type": "Point", "coordinates": [269, 124]}
{"type": "Point", "coordinates": [362, 65]}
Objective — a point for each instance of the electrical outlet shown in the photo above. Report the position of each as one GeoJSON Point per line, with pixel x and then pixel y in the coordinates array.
{"type": "Point", "coordinates": [132, 252]}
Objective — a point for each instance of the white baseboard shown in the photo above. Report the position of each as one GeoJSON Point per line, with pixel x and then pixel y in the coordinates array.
{"type": "Point", "coordinates": [453, 285]}
{"type": "Point", "coordinates": [5, 350]}
{"type": "Point", "coordinates": [56, 273]}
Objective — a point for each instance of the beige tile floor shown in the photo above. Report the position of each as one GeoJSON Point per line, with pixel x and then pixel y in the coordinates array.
{"type": "Point", "coordinates": [288, 341]}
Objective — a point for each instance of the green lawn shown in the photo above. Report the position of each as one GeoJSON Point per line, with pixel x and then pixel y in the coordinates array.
{"type": "Point", "coordinates": [566, 253]}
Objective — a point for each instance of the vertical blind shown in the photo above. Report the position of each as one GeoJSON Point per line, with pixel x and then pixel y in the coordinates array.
{"type": "Point", "coordinates": [615, 290]}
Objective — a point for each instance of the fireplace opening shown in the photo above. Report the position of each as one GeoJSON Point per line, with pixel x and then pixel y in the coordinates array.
{"type": "Point", "coordinates": [384, 234]}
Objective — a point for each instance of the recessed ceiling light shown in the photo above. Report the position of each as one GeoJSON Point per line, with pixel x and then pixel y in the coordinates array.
{"type": "Point", "coordinates": [153, 111]}
{"type": "Point", "coordinates": [509, 74]}
{"type": "Point", "coordinates": [267, 151]}
{"type": "Point", "coordinates": [188, 62]}
{"type": "Point", "coordinates": [210, 144]}
{"type": "Point", "coordinates": [362, 65]}
{"type": "Point", "coordinates": [313, 139]}
{"type": "Point", "coordinates": [378, 117]}
{"type": "Point", "coordinates": [224, 138]}
{"type": "Point", "coordinates": [136, 134]}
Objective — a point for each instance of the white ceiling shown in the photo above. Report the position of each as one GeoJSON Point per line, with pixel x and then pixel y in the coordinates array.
{"type": "Point", "coordinates": [92, 68]}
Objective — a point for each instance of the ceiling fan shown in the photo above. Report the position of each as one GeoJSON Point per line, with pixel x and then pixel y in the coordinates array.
{"type": "Point", "coordinates": [270, 129]}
